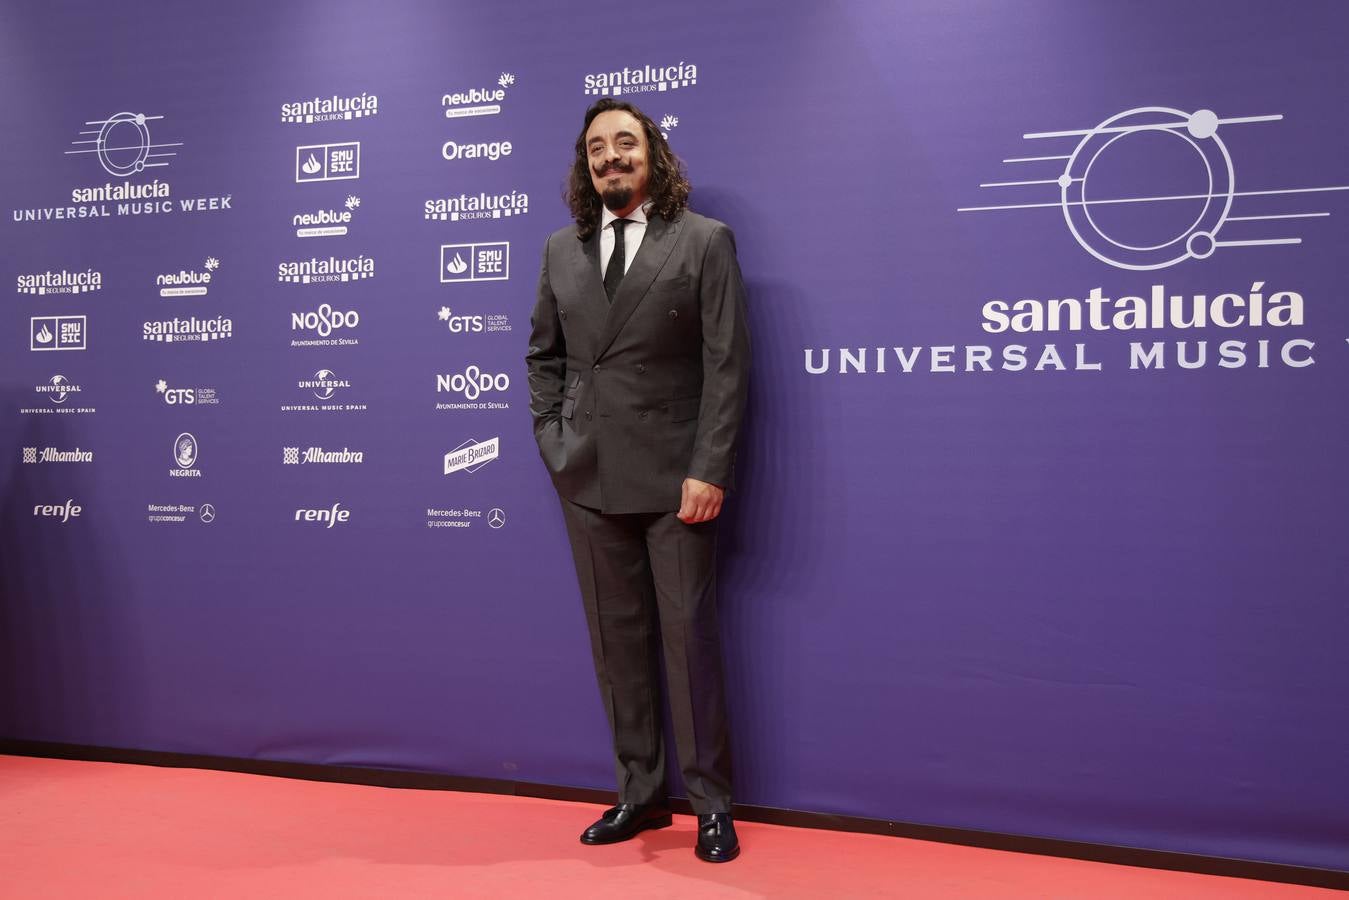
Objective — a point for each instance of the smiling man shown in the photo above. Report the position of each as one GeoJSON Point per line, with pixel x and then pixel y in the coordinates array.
{"type": "Point", "coordinates": [638, 370]}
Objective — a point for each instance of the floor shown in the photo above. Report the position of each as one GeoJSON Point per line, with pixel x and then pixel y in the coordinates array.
{"type": "Point", "coordinates": [104, 830]}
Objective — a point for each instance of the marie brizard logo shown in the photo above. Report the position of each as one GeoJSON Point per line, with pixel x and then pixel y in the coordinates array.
{"type": "Point", "coordinates": [1177, 215]}
{"type": "Point", "coordinates": [123, 145]}
{"type": "Point", "coordinates": [472, 455]}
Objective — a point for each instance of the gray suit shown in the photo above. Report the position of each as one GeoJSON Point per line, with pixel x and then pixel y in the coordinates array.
{"type": "Point", "coordinates": [628, 400]}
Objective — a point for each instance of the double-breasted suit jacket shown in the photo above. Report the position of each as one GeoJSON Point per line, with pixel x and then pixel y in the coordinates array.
{"type": "Point", "coordinates": [629, 399]}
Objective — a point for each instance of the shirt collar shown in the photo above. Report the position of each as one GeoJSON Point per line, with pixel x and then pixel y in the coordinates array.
{"type": "Point", "coordinates": [637, 215]}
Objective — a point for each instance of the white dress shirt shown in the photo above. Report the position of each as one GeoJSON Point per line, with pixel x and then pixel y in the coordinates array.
{"type": "Point", "coordinates": [633, 233]}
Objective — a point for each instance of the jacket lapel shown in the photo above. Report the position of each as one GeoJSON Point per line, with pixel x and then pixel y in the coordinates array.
{"type": "Point", "coordinates": [657, 244]}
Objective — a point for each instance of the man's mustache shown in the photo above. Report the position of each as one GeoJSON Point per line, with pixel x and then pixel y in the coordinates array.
{"type": "Point", "coordinates": [611, 168]}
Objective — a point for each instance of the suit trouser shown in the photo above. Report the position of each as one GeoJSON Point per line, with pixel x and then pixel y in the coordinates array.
{"type": "Point", "coordinates": [648, 582]}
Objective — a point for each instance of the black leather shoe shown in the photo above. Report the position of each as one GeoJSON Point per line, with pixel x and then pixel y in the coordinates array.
{"type": "Point", "coordinates": [624, 821]}
{"type": "Point", "coordinates": [716, 838]}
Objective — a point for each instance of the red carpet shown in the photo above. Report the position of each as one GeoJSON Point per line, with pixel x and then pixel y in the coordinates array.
{"type": "Point", "coordinates": [95, 830]}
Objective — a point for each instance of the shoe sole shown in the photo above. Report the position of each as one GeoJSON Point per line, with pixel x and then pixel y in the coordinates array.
{"type": "Point", "coordinates": [716, 859]}
{"type": "Point", "coordinates": [649, 825]}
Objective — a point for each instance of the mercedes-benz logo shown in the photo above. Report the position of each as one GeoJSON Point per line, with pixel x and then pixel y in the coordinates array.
{"type": "Point", "coordinates": [207, 513]}
{"type": "Point", "coordinates": [496, 517]}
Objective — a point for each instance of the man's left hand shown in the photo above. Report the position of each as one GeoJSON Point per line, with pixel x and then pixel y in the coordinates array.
{"type": "Point", "coordinates": [699, 501]}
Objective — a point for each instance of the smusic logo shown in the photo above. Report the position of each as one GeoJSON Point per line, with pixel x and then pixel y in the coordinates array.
{"type": "Point", "coordinates": [328, 162]}
{"type": "Point", "coordinates": [475, 262]}
{"type": "Point", "coordinates": [57, 333]}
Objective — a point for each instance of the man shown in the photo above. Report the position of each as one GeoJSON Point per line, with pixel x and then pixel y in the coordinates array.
{"type": "Point", "coordinates": [638, 363]}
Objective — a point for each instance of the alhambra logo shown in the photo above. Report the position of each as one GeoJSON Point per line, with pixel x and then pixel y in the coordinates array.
{"type": "Point", "coordinates": [1152, 187]}
{"type": "Point", "coordinates": [188, 284]}
{"type": "Point", "coordinates": [294, 456]}
{"type": "Point", "coordinates": [333, 269]}
{"type": "Point", "coordinates": [60, 282]}
{"type": "Point", "coordinates": [477, 206]}
{"type": "Point", "coordinates": [326, 222]}
{"type": "Point", "coordinates": [477, 101]}
{"type": "Point", "coordinates": [642, 79]}
{"type": "Point", "coordinates": [40, 455]}
{"type": "Point", "coordinates": [330, 109]}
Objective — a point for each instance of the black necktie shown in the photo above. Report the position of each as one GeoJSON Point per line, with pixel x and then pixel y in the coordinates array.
{"type": "Point", "coordinates": [614, 273]}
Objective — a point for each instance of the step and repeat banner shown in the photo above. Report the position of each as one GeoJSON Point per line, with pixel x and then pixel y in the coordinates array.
{"type": "Point", "coordinates": [1042, 516]}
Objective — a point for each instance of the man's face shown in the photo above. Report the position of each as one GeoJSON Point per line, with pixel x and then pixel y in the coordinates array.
{"type": "Point", "coordinates": [619, 160]}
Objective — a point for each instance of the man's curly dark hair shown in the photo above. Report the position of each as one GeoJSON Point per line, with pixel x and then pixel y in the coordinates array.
{"type": "Point", "coordinates": [667, 184]}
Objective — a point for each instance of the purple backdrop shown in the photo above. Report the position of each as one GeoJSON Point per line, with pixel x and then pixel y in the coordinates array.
{"type": "Point", "coordinates": [1100, 596]}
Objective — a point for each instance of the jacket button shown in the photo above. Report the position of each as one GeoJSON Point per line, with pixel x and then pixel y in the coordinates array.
{"type": "Point", "coordinates": [562, 313]}
{"type": "Point", "coordinates": [596, 368]}
{"type": "Point", "coordinates": [587, 413]}
{"type": "Point", "coordinates": [642, 414]}
{"type": "Point", "coordinates": [641, 369]}
{"type": "Point", "coordinates": [674, 313]}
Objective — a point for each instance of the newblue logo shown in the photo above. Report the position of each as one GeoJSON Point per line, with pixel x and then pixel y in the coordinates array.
{"type": "Point", "coordinates": [477, 101]}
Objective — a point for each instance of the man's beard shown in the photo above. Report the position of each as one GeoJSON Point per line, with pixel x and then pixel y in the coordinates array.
{"type": "Point", "coordinates": [617, 198]}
